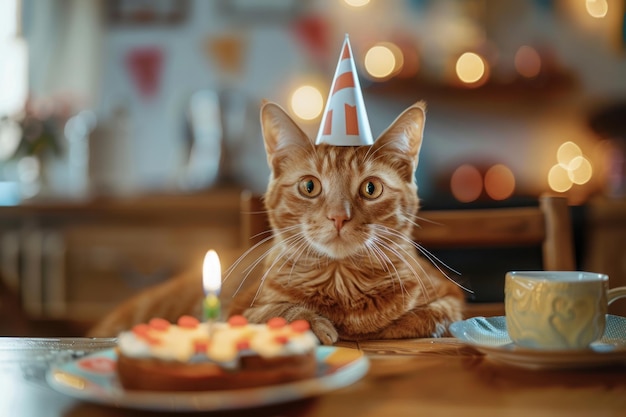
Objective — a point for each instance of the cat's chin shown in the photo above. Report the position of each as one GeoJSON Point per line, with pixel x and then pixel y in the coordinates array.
{"type": "Point", "coordinates": [337, 249]}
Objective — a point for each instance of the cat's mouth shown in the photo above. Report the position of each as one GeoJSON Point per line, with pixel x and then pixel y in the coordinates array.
{"type": "Point", "coordinates": [338, 245]}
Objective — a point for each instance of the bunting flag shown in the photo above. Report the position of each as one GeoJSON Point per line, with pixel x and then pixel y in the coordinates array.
{"type": "Point", "coordinates": [313, 33]}
{"type": "Point", "coordinates": [145, 65]}
{"type": "Point", "coordinates": [227, 51]}
{"type": "Point", "coordinates": [345, 121]}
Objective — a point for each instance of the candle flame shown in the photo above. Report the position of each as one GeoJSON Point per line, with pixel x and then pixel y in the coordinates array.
{"type": "Point", "coordinates": [211, 272]}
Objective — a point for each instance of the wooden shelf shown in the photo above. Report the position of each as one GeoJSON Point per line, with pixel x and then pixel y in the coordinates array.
{"type": "Point", "coordinates": [76, 260]}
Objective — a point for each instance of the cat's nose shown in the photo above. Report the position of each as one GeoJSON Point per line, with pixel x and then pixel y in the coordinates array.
{"type": "Point", "coordinates": [339, 219]}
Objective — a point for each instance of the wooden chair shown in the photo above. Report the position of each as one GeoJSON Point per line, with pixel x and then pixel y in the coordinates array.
{"type": "Point", "coordinates": [547, 225]}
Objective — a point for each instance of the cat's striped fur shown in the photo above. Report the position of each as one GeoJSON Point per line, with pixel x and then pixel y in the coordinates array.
{"type": "Point", "coordinates": [344, 259]}
{"type": "Point", "coordinates": [342, 254]}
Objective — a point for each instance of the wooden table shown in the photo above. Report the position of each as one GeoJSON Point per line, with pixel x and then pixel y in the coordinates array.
{"type": "Point", "coordinates": [425, 377]}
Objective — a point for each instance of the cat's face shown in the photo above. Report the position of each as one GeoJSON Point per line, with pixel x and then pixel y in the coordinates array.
{"type": "Point", "coordinates": [341, 201]}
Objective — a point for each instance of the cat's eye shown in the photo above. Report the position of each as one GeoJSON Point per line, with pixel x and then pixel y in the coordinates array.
{"type": "Point", "coordinates": [371, 188]}
{"type": "Point", "coordinates": [310, 187]}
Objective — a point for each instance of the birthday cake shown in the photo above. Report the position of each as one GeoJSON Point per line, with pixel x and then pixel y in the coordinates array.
{"type": "Point", "coordinates": [198, 356]}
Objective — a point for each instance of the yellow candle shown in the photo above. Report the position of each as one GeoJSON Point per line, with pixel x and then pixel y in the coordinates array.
{"type": "Point", "coordinates": [212, 282]}
{"type": "Point", "coordinates": [211, 307]}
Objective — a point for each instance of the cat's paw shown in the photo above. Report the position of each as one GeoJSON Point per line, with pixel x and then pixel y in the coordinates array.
{"type": "Point", "coordinates": [324, 330]}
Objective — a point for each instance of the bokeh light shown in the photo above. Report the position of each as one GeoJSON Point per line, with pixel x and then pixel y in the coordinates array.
{"type": "Point", "coordinates": [466, 183]}
{"type": "Point", "coordinates": [380, 61]}
{"type": "Point", "coordinates": [307, 102]}
{"type": "Point", "coordinates": [572, 167]}
{"type": "Point", "coordinates": [566, 153]}
{"type": "Point", "coordinates": [558, 179]}
{"type": "Point", "coordinates": [471, 68]}
{"type": "Point", "coordinates": [527, 62]}
{"type": "Point", "coordinates": [357, 3]}
{"type": "Point", "coordinates": [499, 182]}
{"type": "Point", "coordinates": [597, 8]}
{"type": "Point", "coordinates": [580, 170]}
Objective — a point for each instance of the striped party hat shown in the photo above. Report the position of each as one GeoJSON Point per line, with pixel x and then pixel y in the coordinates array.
{"type": "Point", "coordinates": [345, 121]}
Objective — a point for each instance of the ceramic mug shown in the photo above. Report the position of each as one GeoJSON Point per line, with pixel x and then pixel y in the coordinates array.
{"type": "Point", "coordinates": [557, 309]}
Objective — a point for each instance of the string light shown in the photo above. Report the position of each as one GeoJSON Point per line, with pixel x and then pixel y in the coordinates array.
{"type": "Point", "coordinates": [580, 170]}
{"type": "Point", "coordinates": [567, 152]}
{"type": "Point", "coordinates": [357, 3]}
{"type": "Point", "coordinates": [380, 61]}
{"type": "Point", "coordinates": [307, 102]}
{"type": "Point", "coordinates": [499, 182]}
{"type": "Point", "coordinates": [572, 167]}
{"type": "Point", "coordinates": [471, 69]}
{"type": "Point", "coordinates": [558, 179]}
{"type": "Point", "coordinates": [527, 62]}
{"type": "Point", "coordinates": [466, 183]}
{"type": "Point", "coordinates": [597, 8]}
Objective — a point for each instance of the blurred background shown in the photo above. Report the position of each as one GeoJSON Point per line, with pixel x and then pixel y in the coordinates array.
{"type": "Point", "coordinates": [127, 122]}
{"type": "Point", "coordinates": [118, 97]}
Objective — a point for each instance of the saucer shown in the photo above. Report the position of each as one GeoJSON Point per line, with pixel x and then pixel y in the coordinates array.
{"type": "Point", "coordinates": [489, 336]}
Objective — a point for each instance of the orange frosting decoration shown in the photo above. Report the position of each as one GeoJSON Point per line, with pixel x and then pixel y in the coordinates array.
{"type": "Point", "coordinates": [300, 326]}
{"type": "Point", "coordinates": [237, 321]}
{"type": "Point", "coordinates": [188, 322]}
{"type": "Point", "coordinates": [276, 323]}
{"type": "Point", "coordinates": [243, 344]}
{"type": "Point", "coordinates": [142, 331]}
{"type": "Point", "coordinates": [159, 324]}
{"type": "Point", "coordinates": [281, 339]}
{"type": "Point", "coordinates": [201, 345]}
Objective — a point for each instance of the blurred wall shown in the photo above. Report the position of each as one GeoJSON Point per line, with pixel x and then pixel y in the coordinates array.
{"type": "Point", "coordinates": [247, 51]}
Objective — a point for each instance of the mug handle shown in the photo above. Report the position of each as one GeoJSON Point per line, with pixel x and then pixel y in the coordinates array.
{"type": "Point", "coordinates": [615, 294]}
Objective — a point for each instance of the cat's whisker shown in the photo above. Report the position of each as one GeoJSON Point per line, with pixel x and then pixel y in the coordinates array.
{"type": "Point", "coordinates": [412, 221]}
{"type": "Point", "coordinates": [435, 261]}
{"type": "Point", "coordinates": [369, 155]}
{"type": "Point", "coordinates": [235, 264]}
{"type": "Point", "coordinates": [264, 234]}
{"type": "Point", "coordinates": [368, 252]}
{"type": "Point", "coordinates": [388, 242]}
{"type": "Point", "coordinates": [285, 230]}
{"type": "Point", "coordinates": [304, 247]}
{"type": "Point", "coordinates": [379, 256]}
{"type": "Point", "coordinates": [251, 268]}
{"type": "Point", "coordinates": [425, 220]}
{"type": "Point", "coordinates": [284, 247]}
{"type": "Point", "coordinates": [420, 248]}
{"type": "Point", "coordinates": [388, 261]}
{"type": "Point", "coordinates": [248, 270]}
{"type": "Point", "coordinates": [381, 260]}
{"type": "Point", "coordinates": [431, 256]}
{"type": "Point", "coordinates": [394, 233]}
{"type": "Point", "coordinates": [292, 256]}
{"type": "Point", "coordinates": [262, 281]}
{"type": "Point", "coordinates": [406, 262]}
{"type": "Point", "coordinates": [238, 261]}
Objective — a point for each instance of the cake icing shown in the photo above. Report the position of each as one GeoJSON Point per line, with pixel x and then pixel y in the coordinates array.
{"type": "Point", "coordinates": [222, 342]}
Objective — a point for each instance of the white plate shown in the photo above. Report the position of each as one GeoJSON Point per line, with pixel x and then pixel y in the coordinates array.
{"type": "Point", "coordinates": [489, 335]}
{"type": "Point", "coordinates": [93, 378]}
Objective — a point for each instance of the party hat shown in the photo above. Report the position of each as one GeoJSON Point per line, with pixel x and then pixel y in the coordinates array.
{"type": "Point", "coordinates": [345, 121]}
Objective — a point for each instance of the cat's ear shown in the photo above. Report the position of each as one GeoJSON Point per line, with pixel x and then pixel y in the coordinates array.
{"type": "Point", "coordinates": [280, 133]}
{"type": "Point", "coordinates": [405, 134]}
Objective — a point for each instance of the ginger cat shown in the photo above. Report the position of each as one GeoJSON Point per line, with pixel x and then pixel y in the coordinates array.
{"type": "Point", "coordinates": [342, 254]}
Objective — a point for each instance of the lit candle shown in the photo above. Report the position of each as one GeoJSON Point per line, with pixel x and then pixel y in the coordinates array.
{"type": "Point", "coordinates": [212, 282]}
